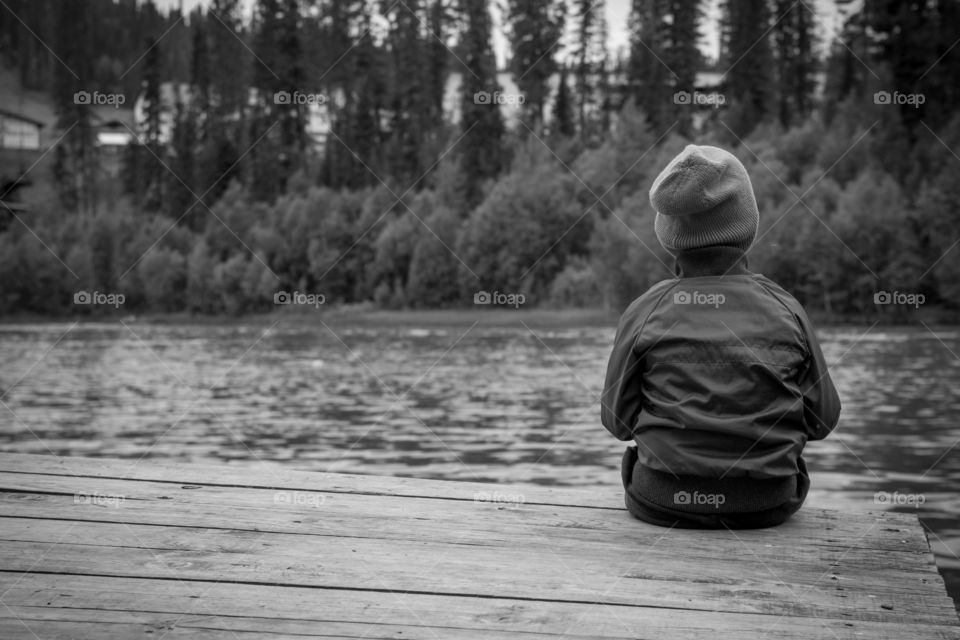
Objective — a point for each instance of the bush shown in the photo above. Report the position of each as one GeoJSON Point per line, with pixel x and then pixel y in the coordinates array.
{"type": "Point", "coordinates": [576, 286]}
{"type": "Point", "coordinates": [522, 234]}
{"type": "Point", "coordinates": [625, 254]}
{"type": "Point", "coordinates": [432, 281]}
{"type": "Point", "coordinates": [164, 276]}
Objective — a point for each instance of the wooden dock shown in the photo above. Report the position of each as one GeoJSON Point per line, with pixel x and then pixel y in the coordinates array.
{"type": "Point", "coordinates": [99, 548]}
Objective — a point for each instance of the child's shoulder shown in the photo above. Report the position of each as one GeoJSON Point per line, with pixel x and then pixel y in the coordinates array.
{"type": "Point", "coordinates": [655, 293]}
{"type": "Point", "coordinates": [784, 296]}
{"type": "Point", "coordinates": [647, 301]}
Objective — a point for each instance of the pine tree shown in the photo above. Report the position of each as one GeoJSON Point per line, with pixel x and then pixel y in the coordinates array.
{"type": "Point", "coordinates": [845, 71]}
{"type": "Point", "coordinates": [481, 150]}
{"type": "Point", "coordinates": [409, 101]}
{"type": "Point", "coordinates": [75, 158]}
{"type": "Point", "coordinates": [143, 175]}
{"type": "Point", "coordinates": [562, 121]}
{"type": "Point", "coordinates": [906, 36]}
{"type": "Point", "coordinates": [365, 136]}
{"type": "Point", "coordinates": [190, 140]}
{"type": "Point", "coordinates": [649, 79]}
{"type": "Point", "coordinates": [226, 134]}
{"type": "Point", "coordinates": [440, 24]}
{"type": "Point", "coordinates": [180, 158]}
{"type": "Point", "coordinates": [534, 28]}
{"type": "Point", "coordinates": [590, 61]}
{"type": "Point", "coordinates": [351, 72]}
{"type": "Point", "coordinates": [941, 90]}
{"type": "Point", "coordinates": [747, 55]}
{"type": "Point", "coordinates": [200, 63]}
{"type": "Point", "coordinates": [279, 118]}
{"type": "Point", "coordinates": [682, 55]}
{"type": "Point", "coordinates": [793, 37]}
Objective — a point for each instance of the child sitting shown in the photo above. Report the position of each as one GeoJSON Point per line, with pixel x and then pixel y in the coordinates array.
{"type": "Point", "coordinates": [716, 374]}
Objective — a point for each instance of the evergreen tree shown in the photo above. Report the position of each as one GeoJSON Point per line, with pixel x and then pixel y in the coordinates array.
{"type": "Point", "coordinates": [352, 76]}
{"type": "Point", "coordinates": [278, 119]}
{"type": "Point", "coordinates": [940, 88]}
{"type": "Point", "coordinates": [181, 202]}
{"type": "Point", "coordinates": [438, 56]}
{"type": "Point", "coordinates": [562, 121]}
{"type": "Point", "coordinates": [409, 103]}
{"type": "Point", "coordinates": [225, 133]}
{"type": "Point", "coordinates": [143, 175]}
{"type": "Point", "coordinates": [649, 80]}
{"type": "Point", "coordinates": [682, 54]}
{"type": "Point", "coordinates": [481, 150]}
{"type": "Point", "coordinates": [590, 62]}
{"type": "Point", "coordinates": [664, 59]}
{"type": "Point", "coordinates": [75, 158]}
{"type": "Point", "coordinates": [916, 42]}
{"type": "Point", "coordinates": [794, 39]}
{"type": "Point", "coordinates": [846, 72]}
{"type": "Point", "coordinates": [748, 58]}
{"type": "Point", "coordinates": [534, 27]}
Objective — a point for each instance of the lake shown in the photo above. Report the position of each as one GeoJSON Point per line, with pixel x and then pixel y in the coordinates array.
{"type": "Point", "coordinates": [513, 402]}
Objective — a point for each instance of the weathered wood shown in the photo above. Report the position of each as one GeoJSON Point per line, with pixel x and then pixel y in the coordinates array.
{"type": "Point", "coordinates": [300, 610]}
{"type": "Point", "coordinates": [412, 518]}
{"type": "Point", "coordinates": [270, 477]}
{"type": "Point", "coordinates": [363, 563]}
{"type": "Point", "coordinates": [111, 549]}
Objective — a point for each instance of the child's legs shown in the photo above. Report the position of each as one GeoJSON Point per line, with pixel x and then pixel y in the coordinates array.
{"type": "Point", "coordinates": [666, 517]}
{"type": "Point", "coordinates": [655, 514]}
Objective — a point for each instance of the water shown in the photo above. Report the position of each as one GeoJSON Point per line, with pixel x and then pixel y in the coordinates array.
{"type": "Point", "coordinates": [502, 404]}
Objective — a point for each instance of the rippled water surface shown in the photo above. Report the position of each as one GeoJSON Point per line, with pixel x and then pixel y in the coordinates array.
{"type": "Point", "coordinates": [515, 403]}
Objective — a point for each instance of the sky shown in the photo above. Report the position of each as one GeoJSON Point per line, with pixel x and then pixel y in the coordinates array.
{"type": "Point", "coordinates": [829, 22]}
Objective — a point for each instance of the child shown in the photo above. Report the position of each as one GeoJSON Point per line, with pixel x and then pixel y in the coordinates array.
{"type": "Point", "coordinates": [715, 374]}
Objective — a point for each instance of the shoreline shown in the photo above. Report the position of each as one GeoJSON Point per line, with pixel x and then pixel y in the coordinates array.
{"type": "Point", "coordinates": [361, 315]}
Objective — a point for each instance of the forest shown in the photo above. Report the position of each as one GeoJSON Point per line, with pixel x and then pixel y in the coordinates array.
{"type": "Point", "coordinates": [851, 137]}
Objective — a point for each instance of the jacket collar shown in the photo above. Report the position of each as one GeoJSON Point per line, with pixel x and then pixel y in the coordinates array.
{"type": "Point", "coordinates": [710, 261]}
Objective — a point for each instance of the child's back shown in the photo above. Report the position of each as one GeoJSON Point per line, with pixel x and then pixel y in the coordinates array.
{"type": "Point", "coordinates": [715, 374]}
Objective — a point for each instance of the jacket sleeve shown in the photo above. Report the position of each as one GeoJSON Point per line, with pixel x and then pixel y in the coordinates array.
{"type": "Point", "coordinates": [821, 403]}
{"type": "Point", "coordinates": [621, 399]}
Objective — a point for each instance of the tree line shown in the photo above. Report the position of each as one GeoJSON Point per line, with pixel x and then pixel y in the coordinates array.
{"type": "Point", "coordinates": [404, 206]}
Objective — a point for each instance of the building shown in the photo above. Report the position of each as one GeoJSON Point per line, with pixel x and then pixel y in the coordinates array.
{"type": "Point", "coordinates": [19, 131]}
{"type": "Point", "coordinates": [113, 129]}
{"type": "Point", "coordinates": [20, 148]}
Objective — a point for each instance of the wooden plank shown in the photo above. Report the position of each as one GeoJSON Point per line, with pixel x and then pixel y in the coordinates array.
{"type": "Point", "coordinates": [211, 475]}
{"type": "Point", "coordinates": [363, 556]}
{"type": "Point", "coordinates": [269, 477]}
{"type": "Point", "coordinates": [861, 585]}
{"type": "Point", "coordinates": [297, 512]}
{"type": "Point", "coordinates": [379, 614]}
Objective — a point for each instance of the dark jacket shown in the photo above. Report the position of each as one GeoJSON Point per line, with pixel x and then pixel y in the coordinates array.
{"type": "Point", "coordinates": [717, 374]}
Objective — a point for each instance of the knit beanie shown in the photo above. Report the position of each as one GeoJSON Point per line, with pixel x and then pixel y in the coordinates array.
{"type": "Point", "coordinates": [704, 198]}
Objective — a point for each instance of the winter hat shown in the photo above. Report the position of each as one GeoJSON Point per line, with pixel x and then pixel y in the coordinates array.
{"type": "Point", "coordinates": [703, 198]}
